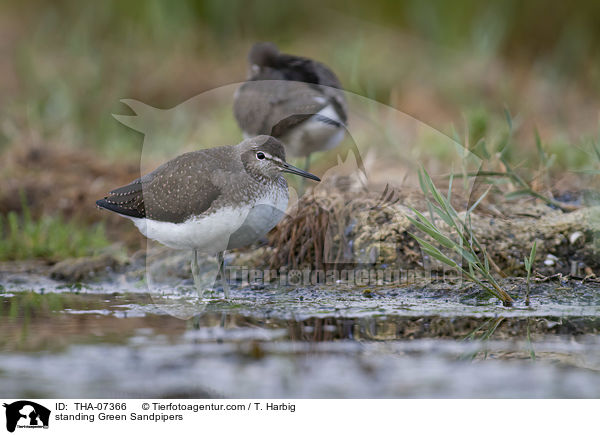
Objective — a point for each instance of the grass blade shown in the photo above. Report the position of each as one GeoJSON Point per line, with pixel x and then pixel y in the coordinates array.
{"type": "Point", "coordinates": [467, 244]}
{"type": "Point", "coordinates": [439, 237]}
{"type": "Point", "coordinates": [479, 200]}
{"type": "Point", "coordinates": [533, 251]}
{"type": "Point", "coordinates": [434, 252]}
{"type": "Point", "coordinates": [517, 194]}
{"type": "Point", "coordinates": [424, 188]}
{"type": "Point", "coordinates": [450, 185]}
{"type": "Point", "coordinates": [444, 216]}
{"type": "Point", "coordinates": [423, 219]}
{"type": "Point", "coordinates": [596, 149]}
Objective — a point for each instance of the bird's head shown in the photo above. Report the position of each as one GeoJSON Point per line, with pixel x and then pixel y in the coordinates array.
{"type": "Point", "coordinates": [262, 54]}
{"type": "Point", "coordinates": [264, 156]}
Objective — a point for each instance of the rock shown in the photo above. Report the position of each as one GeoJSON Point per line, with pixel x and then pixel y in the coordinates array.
{"type": "Point", "coordinates": [79, 269]}
{"type": "Point", "coordinates": [550, 260]}
{"type": "Point", "coordinates": [575, 236]}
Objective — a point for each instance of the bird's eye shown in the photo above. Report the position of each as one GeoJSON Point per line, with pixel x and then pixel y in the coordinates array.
{"type": "Point", "coordinates": [260, 156]}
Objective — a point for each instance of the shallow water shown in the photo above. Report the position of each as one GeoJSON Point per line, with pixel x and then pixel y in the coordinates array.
{"type": "Point", "coordinates": [113, 339]}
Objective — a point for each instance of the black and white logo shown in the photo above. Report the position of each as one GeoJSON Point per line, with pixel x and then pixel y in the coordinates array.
{"type": "Point", "coordinates": [25, 414]}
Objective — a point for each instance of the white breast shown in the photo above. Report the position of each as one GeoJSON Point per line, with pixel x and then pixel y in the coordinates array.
{"type": "Point", "coordinates": [227, 228]}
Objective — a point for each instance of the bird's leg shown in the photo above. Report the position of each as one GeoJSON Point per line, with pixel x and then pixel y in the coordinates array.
{"type": "Point", "coordinates": [196, 275]}
{"type": "Point", "coordinates": [221, 261]}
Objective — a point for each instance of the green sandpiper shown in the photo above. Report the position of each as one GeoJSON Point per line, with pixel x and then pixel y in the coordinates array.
{"type": "Point", "coordinates": [210, 200]}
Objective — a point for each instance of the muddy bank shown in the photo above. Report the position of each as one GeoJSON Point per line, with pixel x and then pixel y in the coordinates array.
{"type": "Point", "coordinates": [64, 181]}
{"type": "Point", "coordinates": [335, 230]}
{"type": "Point", "coordinates": [550, 299]}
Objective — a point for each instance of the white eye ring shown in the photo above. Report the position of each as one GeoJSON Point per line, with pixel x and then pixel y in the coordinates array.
{"type": "Point", "coordinates": [260, 155]}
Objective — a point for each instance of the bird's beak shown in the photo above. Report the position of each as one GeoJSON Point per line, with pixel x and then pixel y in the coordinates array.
{"type": "Point", "coordinates": [286, 167]}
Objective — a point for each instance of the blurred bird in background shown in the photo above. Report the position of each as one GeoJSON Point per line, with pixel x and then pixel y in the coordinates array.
{"type": "Point", "coordinates": [297, 100]}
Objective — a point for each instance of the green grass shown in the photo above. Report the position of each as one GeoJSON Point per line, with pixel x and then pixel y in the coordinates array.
{"type": "Point", "coordinates": [516, 171]}
{"type": "Point", "coordinates": [529, 266]}
{"type": "Point", "coordinates": [50, 237]}
{"type": "Point", "coordinates": [475, 265]}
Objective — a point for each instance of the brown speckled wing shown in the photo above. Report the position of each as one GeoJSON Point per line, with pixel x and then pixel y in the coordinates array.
{"type": "Point", "coordinates": [174, 192]}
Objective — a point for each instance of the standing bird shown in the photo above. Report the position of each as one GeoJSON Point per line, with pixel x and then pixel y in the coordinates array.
{"type": "Point", "coordinates": [210, 200]}
{"type": "Point", "coordinates": [292, 98]}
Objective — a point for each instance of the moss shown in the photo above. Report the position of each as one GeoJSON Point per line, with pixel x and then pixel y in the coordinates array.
{"type": "Point", "coordinates": [50, 237]}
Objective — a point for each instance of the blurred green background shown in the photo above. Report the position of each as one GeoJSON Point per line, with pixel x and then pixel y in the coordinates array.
{"type": "Point", "coordinates": [458, 66]}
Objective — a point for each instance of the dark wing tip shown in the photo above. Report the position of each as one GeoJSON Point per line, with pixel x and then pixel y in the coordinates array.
{"type": "Point", "coordinates": [289, 123]}
{"type": "Point", "coordinates": [102, 203]}
{"type": "Point", "coordinates": [121, 209]}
